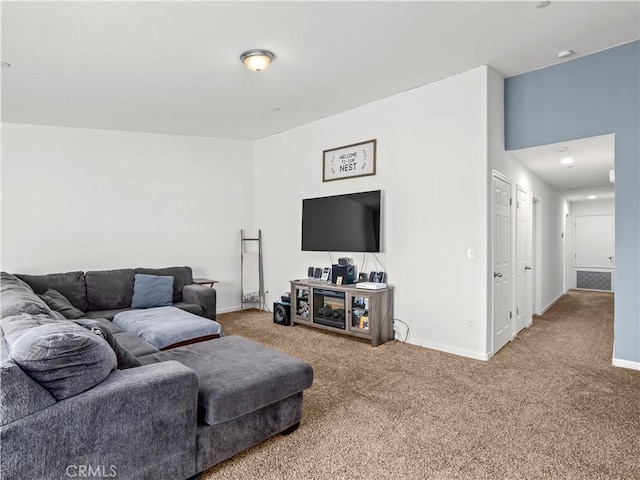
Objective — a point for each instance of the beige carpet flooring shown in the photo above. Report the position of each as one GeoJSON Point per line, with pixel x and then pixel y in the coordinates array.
{"type": "Point", "coordinates": [549, 405]}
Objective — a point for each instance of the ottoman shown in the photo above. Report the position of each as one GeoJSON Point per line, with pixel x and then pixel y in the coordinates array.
{"type": "Point", "coordinates": [167, 327]}
{"type": "Point", "coordinates": [247, 393]}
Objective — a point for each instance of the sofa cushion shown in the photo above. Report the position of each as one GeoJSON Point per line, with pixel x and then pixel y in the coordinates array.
{"type": "Point", "coordinates": [189, 307]}
{"type": "Point", "coordinates": [238, 376]}
{"type": "Point", "coordinates": [111, 313]}
{"type": "Point", "coordinates": [109, 289]}
{"type": "Point", "coordinates": [59, 303]}
{"type": "Point", "coordinates": [109, 324]}
{"type": "Point", "coordinates": [64, 358]}
{"type": "Point", "coordinates": [15, 325]}
{"type": "Point", "coordinates": [107, 314]}
{"type": "Point", "coordinates": [181, 276]}
{"type": "Point", "coordinates": [58, 315]}
{"type": "Point", "coordinates": [123, 357]}
{"type": "Point", "coordinates": [151, 291]}
{"type": "Point", "coordinates": [17, 297]}
{"type": "Point", "coordinates": [70, 284]}
{"type": "Point", "coordinates": [11, 282]}
{"type": "Point", "coordinates": [134, 344]}
{"type": "Point", "coordinates": [20, 395]}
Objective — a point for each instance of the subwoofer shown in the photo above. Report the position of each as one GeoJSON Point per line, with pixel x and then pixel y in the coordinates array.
{"type": "Point", "coordinates": [349, 274]}
{"type": "Point", "coordinates": [282, 313]}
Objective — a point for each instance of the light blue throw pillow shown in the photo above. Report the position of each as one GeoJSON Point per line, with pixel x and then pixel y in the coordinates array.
{"type": "Point", "coordinates": [152, 291]}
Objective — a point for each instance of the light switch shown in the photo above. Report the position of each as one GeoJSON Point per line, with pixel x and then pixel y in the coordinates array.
{"type": "Point", "coordinates": [471, 254]}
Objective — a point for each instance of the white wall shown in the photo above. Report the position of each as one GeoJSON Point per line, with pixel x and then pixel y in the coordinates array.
{"type": "Point", "coordinates": [431, 166]}
{"type": "Point", "coordinates": [554, 208]}
{"type": "Point", "coordinates": [81, 199]}
{"type": "Point", "coordinates": [583, 208]}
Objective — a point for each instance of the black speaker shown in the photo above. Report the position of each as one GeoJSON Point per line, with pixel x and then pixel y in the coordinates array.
{"type": "Point", "coordinates": [311, 272]}
{"type": "Point", "coordinates": [282, 313]}
{"type": "Point", "coordinates": [378, 277]}
{"type": "Point", "coordinates": [348, 273]}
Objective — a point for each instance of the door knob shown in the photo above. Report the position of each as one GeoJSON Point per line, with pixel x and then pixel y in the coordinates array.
{"type": "Point", "coordinates": [527, 267]}
{"type": "Point", "coordinates": [497, 274]}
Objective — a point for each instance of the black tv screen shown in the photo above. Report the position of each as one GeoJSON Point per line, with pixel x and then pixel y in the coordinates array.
{"type": "Point", "coordinates": [342, 223]}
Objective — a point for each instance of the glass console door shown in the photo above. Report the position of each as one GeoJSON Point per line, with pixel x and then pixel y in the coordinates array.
{"type": "Point", "coordinates": [302, 306]}
{"type": "Point", "coordinates": [359, 320]}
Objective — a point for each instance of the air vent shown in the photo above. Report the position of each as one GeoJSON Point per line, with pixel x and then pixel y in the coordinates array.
{"type": "Point", "coordinates": [594, 280]}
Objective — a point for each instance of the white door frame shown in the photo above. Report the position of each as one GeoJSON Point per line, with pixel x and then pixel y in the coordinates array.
{"type": "Point", "coordinates": [536, 249]}
{"type": "Point", "coordinates": [522, 310]}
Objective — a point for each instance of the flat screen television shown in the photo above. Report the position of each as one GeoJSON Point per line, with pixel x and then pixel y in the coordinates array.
{"type": "Point", "coordinates": [342, 223]}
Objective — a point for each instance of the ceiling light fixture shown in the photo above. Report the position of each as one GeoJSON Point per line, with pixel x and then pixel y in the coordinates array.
{"type": "Point", "coordinates": [567, 161]}
{"type": "Point", "coordinates": [591, 197]}
{"type": "Point", "coordinates": [257, 60]}
{"type": "Point", "coordinates": [564, 53]}
{"type": "Point", "coordinates": [544, 4]}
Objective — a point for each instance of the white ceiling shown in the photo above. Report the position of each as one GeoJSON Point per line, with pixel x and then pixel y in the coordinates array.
{"type": "Point", "coordinates": [588, 175]}
{"type": "Point", "coordinates": [173, 67]}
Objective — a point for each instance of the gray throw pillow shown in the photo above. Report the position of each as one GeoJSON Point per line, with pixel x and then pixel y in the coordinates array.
{"type": "Point", "coordinates": [152, 291]}
{"type": "Point", "coordinates": [123, 357]}
{"type": "Point", "coordinates": [64, 358]}
{"type": "Point", "coordinates": [59, 303]}
{"type": "Point", "coordinates": [18, 297]}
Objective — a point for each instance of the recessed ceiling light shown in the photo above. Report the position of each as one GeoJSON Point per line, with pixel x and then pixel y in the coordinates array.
{"type": "Point", "coordinates": [544, 4]}
{"type": "Point", "coordinates": [5, 65]}
{"type": "Point", "coordinates": [564, 53]}
{"type": "Point", "coordinates": [560, 149]}
{"type": "Point", "coordinates": [567, 161]}
{"type": "Point", "coordinates": [591, 197]}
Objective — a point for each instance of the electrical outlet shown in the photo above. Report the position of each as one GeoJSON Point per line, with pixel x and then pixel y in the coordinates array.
{"type": "Point", "coordinates": [470, 324]}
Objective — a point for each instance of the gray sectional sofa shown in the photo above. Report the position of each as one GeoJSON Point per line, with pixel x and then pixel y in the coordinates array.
{"type": "Point", "coordinates": [85, 398]}
{"type": "Point", "coordinates": [104, 293]}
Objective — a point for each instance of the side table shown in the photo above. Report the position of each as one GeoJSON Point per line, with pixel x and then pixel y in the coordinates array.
{"type": "Point", "coordinates": [204, 281]}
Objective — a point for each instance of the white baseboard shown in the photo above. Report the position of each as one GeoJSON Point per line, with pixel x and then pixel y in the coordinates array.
{"type": "Point", "coordinates": [617, 362]}
{"type": "Point", "coordinates": [446, 349]}
{"type": "Point", "coordinates": [553, 302]}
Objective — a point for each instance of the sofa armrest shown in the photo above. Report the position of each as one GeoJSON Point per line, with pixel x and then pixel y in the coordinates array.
{"type": "Point", "coordinates": [139, 423]}
{"type": "Point", "coordinates": [203, 296]}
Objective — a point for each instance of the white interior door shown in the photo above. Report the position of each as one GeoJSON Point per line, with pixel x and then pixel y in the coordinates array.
{"type": "Point", "coordinates": [523, 280]}
{"type": "Point", "coordinates": [593, 241]}
{"type": "Point", "coordinates": [501, 215]}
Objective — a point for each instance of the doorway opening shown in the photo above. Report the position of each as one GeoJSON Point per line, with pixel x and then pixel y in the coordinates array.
{"type": "Point", "coordinates": [572, 239]}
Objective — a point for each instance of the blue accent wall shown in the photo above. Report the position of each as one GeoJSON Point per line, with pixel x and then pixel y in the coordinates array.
{"type": "Point", "coordinates": [593, 95]}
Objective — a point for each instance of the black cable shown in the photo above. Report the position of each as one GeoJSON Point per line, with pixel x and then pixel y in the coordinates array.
{"type": "Point", "coordinates": [376, 257]}
{"type": "Point", "coordinates": [386, 317]}
{"type": "Point", "coordinates": [407, 334]}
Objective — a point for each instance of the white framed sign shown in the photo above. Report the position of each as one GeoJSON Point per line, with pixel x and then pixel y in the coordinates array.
{"type": "Point", "coordinates": [357, 160]}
